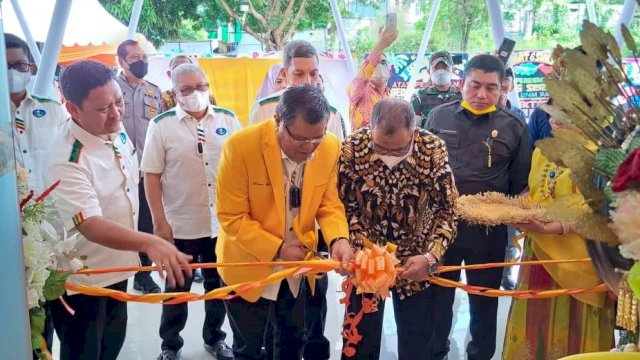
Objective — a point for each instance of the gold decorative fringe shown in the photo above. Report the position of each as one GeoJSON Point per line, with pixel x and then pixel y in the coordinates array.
{"type": "Point", "coordinates": [492, 208]}
{"type": "Point", "coordinates": [627, 311]}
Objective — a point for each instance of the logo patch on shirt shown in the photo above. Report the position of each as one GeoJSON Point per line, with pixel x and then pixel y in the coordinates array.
{"type": "Point", "coordinates": [39, 113]}
{"type": "Point", "coordinates": [123, 138]}
{"type": "Point", "coordinates": [221, 131]}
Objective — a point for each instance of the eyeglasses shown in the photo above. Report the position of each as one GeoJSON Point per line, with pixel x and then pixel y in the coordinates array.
{"type": "Point", "coordinates": [297, 142]}
{"type": "Point", "coordinates": [20, 66]}
{"type": "Point", "coordinates": [392, 152]}
{"type": "Point", "coordinates": [188, 90]}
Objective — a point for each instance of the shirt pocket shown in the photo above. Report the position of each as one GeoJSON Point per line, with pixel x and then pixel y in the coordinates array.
{"type": "Point", "coordinates": [452, 141]}
{"type": "Point", "coordinates": [151, 107]}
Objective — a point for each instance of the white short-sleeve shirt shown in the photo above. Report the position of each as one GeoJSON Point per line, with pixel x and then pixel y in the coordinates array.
{"type": "Point", "coordinates": [265, 109]}
{"type": "Point", "coordinates": [97, 178]}
{"type": "Point", "coordinates": [186, 152]}
{"type": "Point", "coordinates": [36, 122]}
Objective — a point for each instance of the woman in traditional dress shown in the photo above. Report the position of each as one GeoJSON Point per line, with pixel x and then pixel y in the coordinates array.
{"type": "Point", "coordinates": [564, 325]}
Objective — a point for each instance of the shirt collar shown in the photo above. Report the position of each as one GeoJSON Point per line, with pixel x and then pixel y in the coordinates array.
{"type": "Point", "coordinates": [181, 114]}
{"type": "Point", "coordinates": [88, 140]}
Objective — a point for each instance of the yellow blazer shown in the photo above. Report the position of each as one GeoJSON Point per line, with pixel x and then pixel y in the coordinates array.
{"type": "Point", "coordinates": [250, 201]}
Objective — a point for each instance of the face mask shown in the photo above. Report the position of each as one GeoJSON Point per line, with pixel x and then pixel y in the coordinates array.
{"type": "Point", "coordinates": [196, 102]}
{"type": "Point", "coordinates": [475, 111]}
{"type": "Point", "coordinates": [381, 74]}
{"type": "Point", "coordinates": [391, 161]}
{"type": "Point", "coordinates": [139, 68]}
{"type": "Point", "coordinates": [18, 81]}
{"type": "Point", "coordinates": [441, 77]}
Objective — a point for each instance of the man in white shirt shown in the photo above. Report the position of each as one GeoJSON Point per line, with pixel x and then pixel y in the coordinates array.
{"type": "Point", "coordinates": [180, 163]}
{"type": "Point", "coordinates": [97, 166]}
{"type": "Point", "coordinates": [36, 120]}
{"type": "Point", "coordinates": [301, 66]}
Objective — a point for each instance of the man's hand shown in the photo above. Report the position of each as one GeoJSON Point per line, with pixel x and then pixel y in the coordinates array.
{"type": "Point", "coordinates": [387, 37]}
{"type": "Point", "coordinates": [416, 268]}
{"type": "Point", "coordinates": [166, 257]}
{"type": "Point", "coordinates": [163, 229]}
{"type": "Point", "coordinates": [341, 251]}
{"type": "Point", "coordinates": [292, 250]}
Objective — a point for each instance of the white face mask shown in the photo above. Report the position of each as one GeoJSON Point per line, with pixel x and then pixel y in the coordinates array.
{"type": "Point", "coordinates": [196, 102]}
{"type": "Point", "coordinates": [18, 81]}
{"type": "Point", "coordinates": [441, 77]}
{"type": "Point", "coordinates": [392, 161]}
{"type": "Point", "coordinates": [381, 74]}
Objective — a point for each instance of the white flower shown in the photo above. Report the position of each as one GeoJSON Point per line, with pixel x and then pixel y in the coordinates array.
{"type": "Point", "coordinates": [35, 253]}
{"type": "Point", "coordinates": [40, 276]}
{"type": "Point", "coordinates": [75, 264]}
{"type": "Point", "coordinates": [69, 243]}
{"type": "Point", "coordinates": [631, 250]}
{"type": "Point", "coordinates": [49, 233]}
{"type": "Point", "coordinates": [32, 229]}
{"type": "Point", "coordinates": [32, 298]}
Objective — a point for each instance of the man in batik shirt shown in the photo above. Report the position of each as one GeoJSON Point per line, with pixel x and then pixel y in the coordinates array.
{"type": "Point", "coordinates": [397, 187]}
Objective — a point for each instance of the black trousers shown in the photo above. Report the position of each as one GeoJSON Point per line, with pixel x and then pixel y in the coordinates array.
{"type": "Point", "coordinates": [286, 317]}
{"type": "Point", "coordinates": [97, 329]}
{"type": "Point", "coordinates": [415, 322]}
{"type": "Point", "coordinates": [484, 310]}
{"type": "Point", "coordinates": [174, 317]}
{"type": "Point", "coordinates": [145, 224]}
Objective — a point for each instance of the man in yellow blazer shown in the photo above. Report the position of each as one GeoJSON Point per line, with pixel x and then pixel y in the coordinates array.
{"type": "Point", "coordinates": [271, 175]}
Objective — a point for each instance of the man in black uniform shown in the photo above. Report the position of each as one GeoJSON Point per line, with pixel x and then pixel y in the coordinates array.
{"type": "Point", "coordinates": [489, 150]}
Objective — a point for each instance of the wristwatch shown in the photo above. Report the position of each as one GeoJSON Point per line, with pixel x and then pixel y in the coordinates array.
{"type": "Point", "coordinates": [433, 263]}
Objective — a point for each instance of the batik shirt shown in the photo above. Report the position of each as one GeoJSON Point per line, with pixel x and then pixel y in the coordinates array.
{"type": "Point", "coordinates": [410, 205]}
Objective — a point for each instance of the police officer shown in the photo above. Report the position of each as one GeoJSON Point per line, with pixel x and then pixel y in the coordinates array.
{"type": "Point", "coordinates": [142, 103]}
{"type": "Point", "coordinates": [440, 89]}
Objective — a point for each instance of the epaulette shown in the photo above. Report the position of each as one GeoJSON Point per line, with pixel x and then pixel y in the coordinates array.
{"type": "Point", "coordinates": [76, 151]}
{"type": "Point", "coordinates": [164, 115]}
{"type": "Point", "coordinates": [45, 100]}
{"type": "Point", "coordinates": [513, 114]}
{"type": "Point", "coordinates": [269, 100]}
{"type": "Point", "coordinates": [218, 109]}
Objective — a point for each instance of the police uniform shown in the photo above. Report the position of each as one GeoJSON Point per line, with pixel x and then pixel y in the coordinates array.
{"type": "Point", "coordinates": [142, 103]}
{"type": "Point", "coordinates": [428, 98]}
{"type": "Point", "coordinates": [36, 122]}
{"type": "Point", "coordinates": [489, 152]}
{"type": "Point", "coordinates": [265, 109]}
{"type": "Point", "coordinates": [98, 178]}
{"type": "Point", "coordinates": [185, 152]}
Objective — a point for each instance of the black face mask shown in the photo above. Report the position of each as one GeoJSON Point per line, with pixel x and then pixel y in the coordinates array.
{"type": "Point", "coordinates": [139, 68]}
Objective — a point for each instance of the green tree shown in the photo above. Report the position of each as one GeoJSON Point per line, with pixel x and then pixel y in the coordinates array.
{"type": "Point", "coordinates": [160, 20]}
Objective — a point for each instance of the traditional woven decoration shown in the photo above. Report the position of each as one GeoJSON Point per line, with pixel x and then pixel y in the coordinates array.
{"type": "Point", "coordinates": [492, 208]}
{"type": "Point", "coordinates": [627, 311]}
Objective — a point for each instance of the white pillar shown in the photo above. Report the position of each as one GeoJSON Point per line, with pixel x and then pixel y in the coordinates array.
{"type": "Point", "coordinates": [591, 10]}
{"type": "Point", "coordinates": [495, 19]}
{"type": "Point", "coordinates": [422, 50]}
{"type": "Point", "coordinates": [135, 17]}
{"type": "Point", "coordinates": [626, 15]}
{"type": "Point", "coordinates": [15, 341]}
{"type": "Point", "coordinates": [343, 37]}
{"type": "Point", "coordinates": [51, 51]}
{"type": "Point", "coordinates": [33, 47]}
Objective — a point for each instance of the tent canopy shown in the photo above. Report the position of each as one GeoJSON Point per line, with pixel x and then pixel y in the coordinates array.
{"type": "Point", "coordinates": [91, 31]}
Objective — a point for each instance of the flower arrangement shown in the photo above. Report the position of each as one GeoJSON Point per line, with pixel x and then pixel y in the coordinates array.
{"type": "Point", "coordinates": [42, 247]}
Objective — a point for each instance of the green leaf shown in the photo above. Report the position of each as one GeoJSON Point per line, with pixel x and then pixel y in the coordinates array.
{"type": "Point", "coordinates": [37, 318]}
{"type": "Point", "coordinates": [628, 39]}
{"type": "Point", "coordinates": [634, 279]}
{"type": "Point", "coordinates": [54, 286]}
